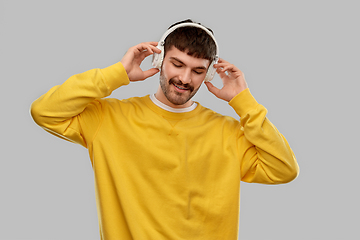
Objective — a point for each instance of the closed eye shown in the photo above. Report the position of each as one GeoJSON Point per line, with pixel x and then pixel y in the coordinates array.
{"type": "Point", "coordinates": [197, 72]}
{"type": "Point", "coordinates": [176, 65]}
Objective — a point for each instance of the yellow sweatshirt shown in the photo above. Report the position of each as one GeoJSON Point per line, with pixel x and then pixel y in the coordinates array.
{"type": "Point", "coordinates": [161, 175]}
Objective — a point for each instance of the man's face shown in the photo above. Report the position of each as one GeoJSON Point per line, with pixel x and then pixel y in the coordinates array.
{"type": "Point", "coordinates": [181, 77]}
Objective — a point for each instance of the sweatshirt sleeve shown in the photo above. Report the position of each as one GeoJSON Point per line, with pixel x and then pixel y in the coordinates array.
{"type": "Point", "coordinates": [266, 156]}
{"type": "Point", "coordinates": [64, 109]}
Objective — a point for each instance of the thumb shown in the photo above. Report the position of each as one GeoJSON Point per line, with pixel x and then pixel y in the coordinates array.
{"type": "Point", "coordinates": [214, 90]}
{"type": "Point", "coordinates": [151, 72]}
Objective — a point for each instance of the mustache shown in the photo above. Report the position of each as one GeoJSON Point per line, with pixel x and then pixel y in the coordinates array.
{"type": "Point", "coordinates": [180, 84]}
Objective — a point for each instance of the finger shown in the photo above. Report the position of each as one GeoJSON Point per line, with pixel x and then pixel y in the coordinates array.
{"type": "Point", "coordinates": [229, 68]}
{"type": "Point", "coordinates": [151, 72]}
{"type": "Point", "coordinates": [222, 61]}
{"type": "Point", "coordinates": [153, 43]}
{"type": "Point", "coordinates": [155, 49]}
{"type": "Point", "coordinates": [140, 47]}
{"type": "Point", "coordinates": [145, 53]}
{"type": "Point", "coordinates": [223, 75]}
{"type": "Point", "coordinates": [145, 47]}
{"type": "Point", "coordinates": [142, 56]}
{"type": "Point", "coordinates": [149, 50]}
{"type": "Point", "coordinates": [221, 65]}
{"type": "Point", "coordinates": [214, 90]}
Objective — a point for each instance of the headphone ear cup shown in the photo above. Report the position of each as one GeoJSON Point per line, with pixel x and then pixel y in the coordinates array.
{"type": "Point", "coordinates": [210, 72]}
{"type": "Point", "coordinates": [158, 58]}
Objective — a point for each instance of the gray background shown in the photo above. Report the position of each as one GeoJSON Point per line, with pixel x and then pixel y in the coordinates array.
{"type": "Point", "coordinates": [300, 59]}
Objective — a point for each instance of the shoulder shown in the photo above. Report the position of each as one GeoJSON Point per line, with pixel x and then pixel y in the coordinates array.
{"type": "Point", "coordinates": [211, 115]}
{"type": "Point", "coordinates": [113, 102]}
{"type": "Point", "coordinates": [217, 124]}
{"type": "Point", "coordinates": [118, 106]}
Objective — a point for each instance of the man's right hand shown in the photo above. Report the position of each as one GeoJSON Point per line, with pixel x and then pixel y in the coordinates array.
{"type": "Point", "coordinates": [134, 57]}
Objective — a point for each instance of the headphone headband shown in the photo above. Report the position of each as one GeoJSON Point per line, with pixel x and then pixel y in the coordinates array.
{"type": "Point", "coordinates": [170, 30]}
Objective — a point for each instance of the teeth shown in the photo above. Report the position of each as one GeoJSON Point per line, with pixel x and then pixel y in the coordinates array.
{"type": "Point", "coordinates": [179, 87]}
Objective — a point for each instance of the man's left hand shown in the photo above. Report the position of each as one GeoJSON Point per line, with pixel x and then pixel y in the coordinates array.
{"type": "Point", "coordinates": [233, 81]}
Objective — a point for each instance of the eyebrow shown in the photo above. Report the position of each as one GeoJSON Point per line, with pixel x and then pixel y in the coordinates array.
{"type": "Point", "coordinates": [178, 60]}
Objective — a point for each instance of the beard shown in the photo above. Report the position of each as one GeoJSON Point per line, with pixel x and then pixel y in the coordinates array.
{"type": "Point", "coordinates": [173, 96]}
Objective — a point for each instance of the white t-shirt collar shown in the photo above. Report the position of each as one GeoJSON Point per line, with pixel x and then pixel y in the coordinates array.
{"type": "Point", "coordinates": [171, 109]}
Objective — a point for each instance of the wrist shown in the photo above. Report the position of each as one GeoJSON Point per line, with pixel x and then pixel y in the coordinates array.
{"type": "Point", "coordinates": [243, 102]}
{"type": "Point", "coordinates": [235, 93]}
{"type": "Point", "coordinates": [115, 76]}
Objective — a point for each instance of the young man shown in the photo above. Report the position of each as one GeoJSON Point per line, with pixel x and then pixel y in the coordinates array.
{"type": "Point", "coordinates": [166, 167]}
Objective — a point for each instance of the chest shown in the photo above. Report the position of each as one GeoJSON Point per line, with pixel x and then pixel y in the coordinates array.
{"type": "Point", "coordinates": [159, 144]}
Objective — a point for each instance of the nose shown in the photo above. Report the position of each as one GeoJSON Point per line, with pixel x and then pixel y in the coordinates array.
{"type": "Point", "coordinates": [185, 76]}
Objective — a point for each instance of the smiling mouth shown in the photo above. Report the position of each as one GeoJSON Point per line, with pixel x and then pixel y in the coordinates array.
{"type": "Point", "coordinates": [182, 88]}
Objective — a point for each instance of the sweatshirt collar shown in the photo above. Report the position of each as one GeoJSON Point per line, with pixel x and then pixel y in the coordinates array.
{"type": "Point", "coordinates": [169, 114]}
{"type": "Point", "coordinates": [171, 109]}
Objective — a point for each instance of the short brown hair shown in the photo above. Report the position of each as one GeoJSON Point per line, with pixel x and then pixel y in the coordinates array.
{"type": "Point", "coordinates": [195, 41]}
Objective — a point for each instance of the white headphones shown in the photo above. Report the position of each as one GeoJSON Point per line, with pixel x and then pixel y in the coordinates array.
{"type": "Point", "coordinates": [158, 58]}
